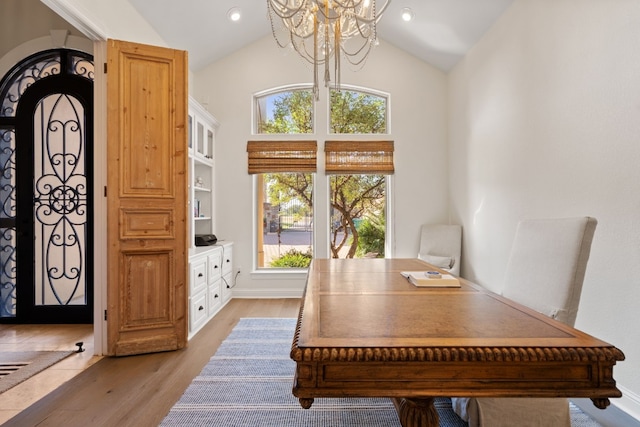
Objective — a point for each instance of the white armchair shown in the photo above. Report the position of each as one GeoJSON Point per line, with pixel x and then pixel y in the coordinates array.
{"type": "Point", "coordinates": [545, 272]}
{"type": "Point", "coordinates": [441, 245]}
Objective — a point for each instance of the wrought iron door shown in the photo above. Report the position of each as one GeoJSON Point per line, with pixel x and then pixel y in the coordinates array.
{"type": "Point", "coordinates": [46, 139]}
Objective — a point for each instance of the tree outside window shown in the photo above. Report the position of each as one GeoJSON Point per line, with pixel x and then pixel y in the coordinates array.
{"type": "Point", "coordinates": [357, 200]}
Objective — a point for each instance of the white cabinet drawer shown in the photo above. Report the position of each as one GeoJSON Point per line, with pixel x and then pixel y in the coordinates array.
{"type": "Point", "coordinates": [198, 273]}
{"type": "Point", "coordinates": [215, 296]}
{"type": "Point", "coordinates": [198, 312]}
{"type": "Point", "coordinates": [227, 261]}
{"type": "Point", "coordinates": [226, 287]}
{"type": "Point", "coordinates": [208, 290]}
{"type": "Point", "coordinates": [215, 265]}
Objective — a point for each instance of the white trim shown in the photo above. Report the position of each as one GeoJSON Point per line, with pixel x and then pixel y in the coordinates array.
{"type": "Point", "coordinates": [77, 18]}
{"type": "Point", "coordinates": [99, 200]}
{"type": "Point", "coordinates": [629, 403]}
{"type": "Point", "coordinates": [390, 206]}
{"type": "Point", "coordinates": [624, 411]}
{"type": "Point", "coordinates": [286, 88]}
{"type": "Point", "coordinates": [273, 91]}
{"type": "Point", "coordinates": [201, 110]}
{"type": "Point", "coordinates": [267, 293]}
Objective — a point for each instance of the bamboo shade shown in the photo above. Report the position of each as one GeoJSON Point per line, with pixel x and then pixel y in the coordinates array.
{"type": "Point", "coordinates": [282, 156]}
{"type": "Point", "coordinates": [359, 157]}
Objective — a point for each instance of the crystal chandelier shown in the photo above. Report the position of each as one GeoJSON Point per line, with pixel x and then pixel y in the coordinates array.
{"type": "Point", "coordinates": [320, 30]}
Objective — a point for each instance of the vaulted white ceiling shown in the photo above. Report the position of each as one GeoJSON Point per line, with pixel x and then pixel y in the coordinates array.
{"type": "Point", "coordinates": [440, 34]}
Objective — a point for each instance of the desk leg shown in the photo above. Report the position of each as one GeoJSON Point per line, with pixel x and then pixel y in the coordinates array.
{"type": "Point", "coordinates": [306, 402]}
{"type": "Point", "coordinates": [417, 412]}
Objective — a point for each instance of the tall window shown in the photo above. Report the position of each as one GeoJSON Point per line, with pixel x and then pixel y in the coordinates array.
{"type": "Point", "coordinates": [357, 171]}
{"type": "Point", "coordinates": [284, 179]}
{"type": "Point", "coordinates": [357, 175]}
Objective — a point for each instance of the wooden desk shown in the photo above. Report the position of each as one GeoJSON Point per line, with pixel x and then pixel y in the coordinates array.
{"type": "Point", "coordinates": [364, 331]}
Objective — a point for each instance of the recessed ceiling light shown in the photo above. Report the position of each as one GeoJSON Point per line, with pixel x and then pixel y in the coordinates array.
{"type": "Point", "coordinates": [407, 14]}
{"type": "Point", "coordinates": [234, 14]}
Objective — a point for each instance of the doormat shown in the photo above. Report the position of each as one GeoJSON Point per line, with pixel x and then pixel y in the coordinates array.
{"type": "Point", "coordinates": [18, 366]}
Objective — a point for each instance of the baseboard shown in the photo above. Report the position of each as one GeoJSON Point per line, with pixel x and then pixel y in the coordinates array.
{"type": "Point", "coordinates": [624, 411]}
{"type": "Point", "coordinates": [266, 293]}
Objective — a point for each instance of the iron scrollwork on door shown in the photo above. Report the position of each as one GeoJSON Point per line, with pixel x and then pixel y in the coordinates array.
{"type": "Point", "coordinates": [60, 201]}
{"type": "Point", "coordinates": [60, 187]}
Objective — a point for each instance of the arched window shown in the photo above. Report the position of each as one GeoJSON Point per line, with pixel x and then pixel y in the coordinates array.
{"type": "Point", "coordinates": [357, 167]}
{"type": "Point", "coordinates": [285, 111]}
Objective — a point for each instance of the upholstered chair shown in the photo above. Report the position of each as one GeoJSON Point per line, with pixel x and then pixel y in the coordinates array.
{"type": "Point", "coordinates": [441, 245]}
{"type": "Point", "coordinates": [545, 272]}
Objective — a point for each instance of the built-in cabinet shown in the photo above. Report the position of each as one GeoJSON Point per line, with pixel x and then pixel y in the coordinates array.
{"type": "Point", "coordinates": [202, 130]}
{"type": "Point", "coordinates": [211, 280]}
{"type": "Point", "coordinates": [210, 267]}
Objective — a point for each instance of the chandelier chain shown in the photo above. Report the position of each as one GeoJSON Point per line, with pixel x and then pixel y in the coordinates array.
{"type": "Point", "coordinates": [324, 30]}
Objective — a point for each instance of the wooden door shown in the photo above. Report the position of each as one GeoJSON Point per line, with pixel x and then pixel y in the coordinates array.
{"type": "Point", "coordinates": [147, 199]}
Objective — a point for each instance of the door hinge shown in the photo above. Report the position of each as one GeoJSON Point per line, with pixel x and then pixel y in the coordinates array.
{"type": "Point", "coordinates": [105, 68]}
{"type": "Point", "coordinates": [105, 315]}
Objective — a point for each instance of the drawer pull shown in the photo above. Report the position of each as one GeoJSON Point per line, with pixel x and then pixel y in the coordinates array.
{"type": "Point", "coordinates": [200, 308]}
{"type": "Point", "coordinates": [215, 296]}
{"type": "Point", "coordinates": [215, 266]}
{"type": "Point", "coordinates": [200, 274]}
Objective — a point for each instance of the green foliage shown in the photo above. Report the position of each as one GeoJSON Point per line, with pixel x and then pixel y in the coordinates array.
{"type": "Point", "coordinates": [293, 259]}
{"type": "Point", "coordinates": [292, 113]}
{"type": "Point", "coordinates": [284, 187]}
{"type": "Point", "coordinates": [371, 232]}
{"type": "Point", "coordinates": [357, 112]}
{"type": "Point", "coordinates": [352, 196]}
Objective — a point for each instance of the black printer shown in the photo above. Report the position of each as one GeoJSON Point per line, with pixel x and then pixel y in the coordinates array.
{"type": "Point", "coordinates": [206, 239]}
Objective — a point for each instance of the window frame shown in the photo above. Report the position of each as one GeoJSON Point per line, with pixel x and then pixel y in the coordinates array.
{"type": "Point", "coordinates": [321, 190]}
{"type": "Point", "coordinates": [368, 91]}
{"type": "Point", "coordinates": [275, 91]}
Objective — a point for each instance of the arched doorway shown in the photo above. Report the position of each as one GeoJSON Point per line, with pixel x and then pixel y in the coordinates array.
{"type": "Point", "coordinates": [46, 183]}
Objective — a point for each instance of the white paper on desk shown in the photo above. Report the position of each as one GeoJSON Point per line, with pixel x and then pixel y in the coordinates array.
{"type": "Point", "coordinates": [420, 279]}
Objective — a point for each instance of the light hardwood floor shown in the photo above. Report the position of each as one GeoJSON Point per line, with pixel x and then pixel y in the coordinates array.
{"type": "Point", "coordinates": [139, 390]}
{"type": "Point", "coordinates": [44, 338]}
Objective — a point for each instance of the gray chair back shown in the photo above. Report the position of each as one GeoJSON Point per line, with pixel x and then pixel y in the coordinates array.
{"type": "Point", "coordinates": [547, 265]}
{"type": "Point", "coordinates": [441, 245]}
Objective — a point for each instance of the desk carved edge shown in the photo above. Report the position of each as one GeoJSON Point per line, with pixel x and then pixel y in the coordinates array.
{"type": "Point", "coordinates": [455, 354]}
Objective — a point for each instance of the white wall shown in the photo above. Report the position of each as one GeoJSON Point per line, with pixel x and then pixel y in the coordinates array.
{"type": "Point", "coordinates": [114, 19]}
{"type": "Point", "coordinates": [15, 14]}
{"type": "Point", "coordinates": [418, 127]}
{"type": "Point", "coordinates": [544, 121]}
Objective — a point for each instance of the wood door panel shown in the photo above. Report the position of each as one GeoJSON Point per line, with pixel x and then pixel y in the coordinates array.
{"type": "Point", "coordinates": [147, 199]}
{"type": "Point", "coordinates": [146, 273]}
{"type": "Point", "coordinates": [146, 223]}
{"type": "Point", "coordinates": [148, 142]}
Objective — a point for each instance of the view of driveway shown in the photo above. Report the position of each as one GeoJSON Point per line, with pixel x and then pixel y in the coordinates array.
{"type": "Point", "coordinates": [275, 246]}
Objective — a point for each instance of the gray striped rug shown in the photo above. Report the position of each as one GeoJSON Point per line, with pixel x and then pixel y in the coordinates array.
{"type": "Point", "coordinates": [247, 383]}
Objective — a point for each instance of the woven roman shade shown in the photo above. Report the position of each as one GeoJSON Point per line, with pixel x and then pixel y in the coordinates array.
{"type": "Point", "coordinates": [282, 156]}
{"type": "Point", "coordinates": [359, 157]}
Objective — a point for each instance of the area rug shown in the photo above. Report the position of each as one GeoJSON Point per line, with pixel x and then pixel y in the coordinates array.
{"type": "Point", "coordinates": [18, 366]}
{"type": "Point", "coordinates": [248, 382]}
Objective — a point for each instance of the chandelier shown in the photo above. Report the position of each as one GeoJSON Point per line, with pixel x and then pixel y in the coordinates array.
{"type": "Point", "coordinates": [321, 30]}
